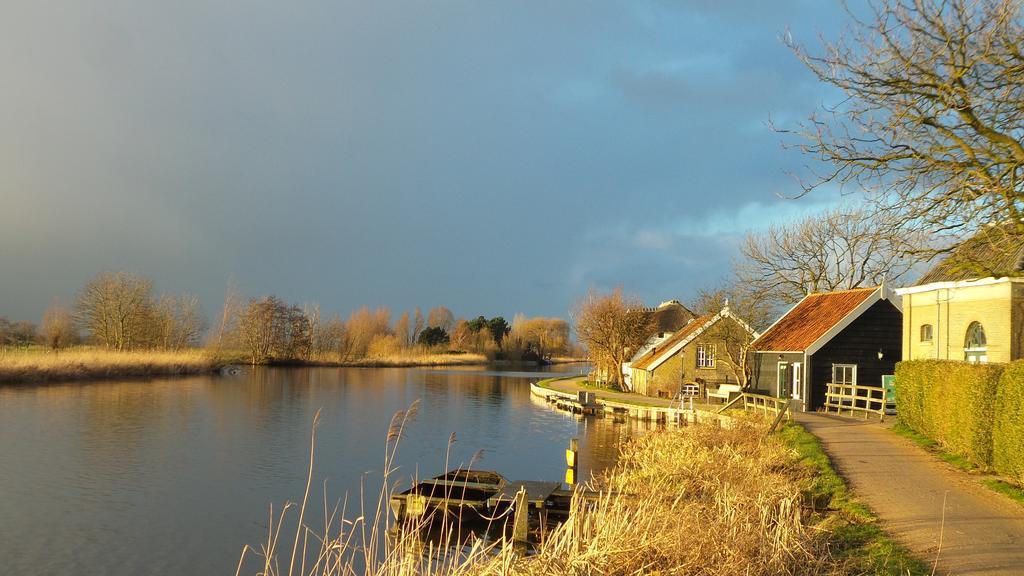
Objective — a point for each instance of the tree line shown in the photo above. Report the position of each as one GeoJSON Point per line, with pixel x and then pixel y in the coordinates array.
{"type": "Point", "coordinates": [121, 311]}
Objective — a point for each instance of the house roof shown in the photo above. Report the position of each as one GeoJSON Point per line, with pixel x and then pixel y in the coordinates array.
{"type": "Point", "coordinates": [670, 316]}
{"type": "Point", "coordinates": [647, 359]}
{"type": "Point", "coordinates": [995, 251]}
{"type": "Point", "coordinates": [656, 356]}
{"type": "Point", "coordinates": [813, 318]}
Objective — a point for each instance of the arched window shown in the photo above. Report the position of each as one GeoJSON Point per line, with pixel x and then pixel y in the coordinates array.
{"type": "Point", "coordinates": [926, 333]}
{"type": "Point", "coordinates": [975, 345]}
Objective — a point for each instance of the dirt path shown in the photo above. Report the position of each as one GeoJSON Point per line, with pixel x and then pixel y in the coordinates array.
{"type": "Point", "coordinates": [905, 486]}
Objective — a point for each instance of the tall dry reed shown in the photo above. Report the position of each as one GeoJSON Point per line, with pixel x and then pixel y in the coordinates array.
{"type": "Point", "coordinates": [697, 500]}
{"type": "Point", "coordinates": [37, 365]}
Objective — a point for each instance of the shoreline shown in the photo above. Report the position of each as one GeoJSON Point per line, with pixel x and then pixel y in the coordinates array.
{"type": "Point", "coordinates": [27, 368]}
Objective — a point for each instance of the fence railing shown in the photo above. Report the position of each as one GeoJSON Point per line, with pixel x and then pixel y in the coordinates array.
{"type": "Point", "coordinates": [769, 405]}
{"type": "Point", "coordinates": [866, 400]}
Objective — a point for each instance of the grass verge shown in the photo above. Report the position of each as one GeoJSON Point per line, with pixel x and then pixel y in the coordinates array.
{"type": "Point", "coordinates": [857, 537]}
{"type": "Point", "coordinates": [1014, 492]}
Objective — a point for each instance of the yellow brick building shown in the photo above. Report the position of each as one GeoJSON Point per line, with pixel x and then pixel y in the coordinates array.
{"type": "Point", "coordinates": [951, 314]}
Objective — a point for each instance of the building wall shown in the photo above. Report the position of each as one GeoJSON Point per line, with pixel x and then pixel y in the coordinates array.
{"type": "Point", "coordinates": [878, 329]}
{"type": "Point", "coordinates": [951, 310]}
{"type": "Point", "coordinates": [766, 370]}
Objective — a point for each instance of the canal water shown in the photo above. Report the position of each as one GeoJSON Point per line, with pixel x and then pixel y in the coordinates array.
{"type": "Point", "coordinates": [175, 476]}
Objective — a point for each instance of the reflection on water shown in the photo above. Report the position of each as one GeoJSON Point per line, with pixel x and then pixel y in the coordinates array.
{"type": "Point", "coordinates": [175, 476]}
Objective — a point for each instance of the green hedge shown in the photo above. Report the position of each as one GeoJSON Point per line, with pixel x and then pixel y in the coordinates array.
{"type": "Point", "coordinates": [952, 403]}
{"type": "Point", "coordinates": [1008, 431]}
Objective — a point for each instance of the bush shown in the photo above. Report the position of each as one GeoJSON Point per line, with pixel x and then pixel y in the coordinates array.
{"type": "Point", "coordinates": [952, 403]}
{"type": "Point", "coordinates": [1008, 429]}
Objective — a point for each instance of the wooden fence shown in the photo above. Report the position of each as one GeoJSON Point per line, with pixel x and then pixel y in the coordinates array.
{"type": "Point", "coordinates": [769, 405]}
{"type": "Point", "coordinates": [866, 400]}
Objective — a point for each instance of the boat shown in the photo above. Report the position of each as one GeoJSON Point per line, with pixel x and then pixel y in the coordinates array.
{"type": "Point", "coordinates": [455, 492]}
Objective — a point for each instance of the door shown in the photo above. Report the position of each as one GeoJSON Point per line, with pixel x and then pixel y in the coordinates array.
{"type": "Point", "coordinates": [784, 380]}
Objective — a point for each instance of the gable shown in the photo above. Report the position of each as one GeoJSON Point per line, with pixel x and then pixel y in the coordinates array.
{"type": "Point", "coordinates": [684, 337]}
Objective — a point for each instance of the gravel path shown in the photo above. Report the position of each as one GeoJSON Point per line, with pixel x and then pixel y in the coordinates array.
{"type": "Point", "coordinates": [983, 532]}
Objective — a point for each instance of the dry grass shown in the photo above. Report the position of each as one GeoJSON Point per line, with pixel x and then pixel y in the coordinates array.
{"type": "Point", "coordinates": [403, 359]}
{"type": "Point", "coordinates": [18, 366]}
{"type": "Point", "coordinates": [699, 500]}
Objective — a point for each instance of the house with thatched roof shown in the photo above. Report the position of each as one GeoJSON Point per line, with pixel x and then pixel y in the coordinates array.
{"type": "Point", "coordinates": [969, 306]}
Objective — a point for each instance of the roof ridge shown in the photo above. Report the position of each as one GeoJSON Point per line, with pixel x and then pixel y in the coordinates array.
{"type": "Point", "coordinates": [859, 288]}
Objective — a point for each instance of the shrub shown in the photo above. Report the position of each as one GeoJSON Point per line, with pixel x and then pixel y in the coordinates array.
{"type": "Point", "coordinates": [1008, 429]}
{"type": "Point", "coordinates": [951, 402]}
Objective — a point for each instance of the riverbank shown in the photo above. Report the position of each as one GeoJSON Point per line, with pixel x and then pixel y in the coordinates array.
{"type": "Point", "coordinates": [38, 365]}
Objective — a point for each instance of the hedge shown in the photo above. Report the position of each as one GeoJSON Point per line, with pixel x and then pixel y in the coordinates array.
{"type": "Point", "coordinates": [951, 402]}
{"type": "Point", "coordinates": [1008, 431]}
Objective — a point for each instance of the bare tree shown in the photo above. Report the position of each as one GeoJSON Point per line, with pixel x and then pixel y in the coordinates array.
{"type": "Point", "coordinates": [402, 331]}
{"type": "Point", "coordinates": [176, 322]}
{"type": "Point", "coordinates": [417, 326]}
{"type": "Point", "coordinates": [930, 125]}
{"type": "Point", "coordinates": [612, 327]}
{"type": "Point", "coordinates": [227, 323]}
{"type": "Point", "coordinates": [740, 318]}
{"type": "Point", "coordinates": [441, 317]}
{"type": "Point", "coordinates": [270, 329]}
{"type": "Point", "coordinates": [116, 308]}
{"type": "Point", "coordinates": [57, 328]}
{"type": "Point", "coordinates": [839, 249]}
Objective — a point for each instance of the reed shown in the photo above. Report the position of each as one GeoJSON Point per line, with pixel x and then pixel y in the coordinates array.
{"type": "Point", "coordinates": [698, 500]}
{"type": "Point", "coordinates": [19, 366]}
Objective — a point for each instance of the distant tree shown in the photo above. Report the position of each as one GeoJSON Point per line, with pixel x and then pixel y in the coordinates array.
{"type": "Point", "coordinates": [328, 336]}
{"type": "Point", "coordinates": [57, 328]}
{"type": "Point", "coordinates": [402, 331]}
{"type": "Point", "coordinates": [499, 328]}
{"type": "Point", "coordinates": [441, 317]}
{"type": "Point", "coordinates": [176, 322]}
{"type": "Point", "coordinates": [931, 116]}
{"type": "Point", "coordinates": [838, 249]}
{"type": "Point", "coordinates": [226, 326]}
{"type": "Point", "coordinates": [433, 336]}
{"type": "Point", "coordinates": [270, 329]}
{"type": "Point", "coordinates": [363, 325]}
{"type": "Point", "coordinates": [477, 324]}
{"type": "Point", "coordinates": [417, 326]}
{"type": "Point", "coordinates": [19, 333]}
{"type": "Point", "coordinates": [612, 327]}
{"type": "Point", "coordinates": [116, 309]}
{"type": "Point", "coordinates": [537, 338]}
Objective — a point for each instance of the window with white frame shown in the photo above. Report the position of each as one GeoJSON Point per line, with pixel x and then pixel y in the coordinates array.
{"type": "Point", "coordinates": [926, 333]}
{"type": "Point", "coordinates": [705, 356]}
{"type": "Point", "coordinates": [844, 374]}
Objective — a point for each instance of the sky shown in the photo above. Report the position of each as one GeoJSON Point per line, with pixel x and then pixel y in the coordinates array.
{"type": "Point", "coordinates": [493, 157]}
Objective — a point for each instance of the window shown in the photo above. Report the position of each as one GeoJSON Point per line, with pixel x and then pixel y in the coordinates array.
{"type": "Point", "coordinates": [926, 333]}
{"type": "Point", "coordinates": [975, 344]}
{"type": "Point", "coordinates": [705, 356]}
{"type": "Point", "coordinates": [844, 374]}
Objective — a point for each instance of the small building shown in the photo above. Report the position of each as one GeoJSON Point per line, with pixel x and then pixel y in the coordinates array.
{"type": "Point", "coordinates": [667, 318]}
{"type": "Point", "coordinates": [843, 337]}
{"type": "Point", "coordinates": [705, 352]}
{"type": "Point", "coordinates": [956, 313]}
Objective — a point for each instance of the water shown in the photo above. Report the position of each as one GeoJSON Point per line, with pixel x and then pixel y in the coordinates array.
{"type": "Point", "coordinates": [174, 476]}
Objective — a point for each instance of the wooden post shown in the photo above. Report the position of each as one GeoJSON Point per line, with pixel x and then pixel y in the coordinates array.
{"type": "Point", "coordinates": [520, 526]}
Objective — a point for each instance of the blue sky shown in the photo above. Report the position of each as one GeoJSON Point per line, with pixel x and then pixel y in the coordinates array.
{"type": "Point", "coordinates": [494, 157]}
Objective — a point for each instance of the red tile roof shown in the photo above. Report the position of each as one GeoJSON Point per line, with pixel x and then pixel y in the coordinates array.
{"type": "Point", "coordinates": [647, 359]}
{"type": "Point", "coordinates": [810, 320]}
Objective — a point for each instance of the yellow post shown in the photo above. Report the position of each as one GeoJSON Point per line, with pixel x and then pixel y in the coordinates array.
{"type": "Point", "coordinates": [571, 462]}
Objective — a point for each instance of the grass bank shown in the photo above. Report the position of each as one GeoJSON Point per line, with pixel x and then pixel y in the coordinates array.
{"type": "Point", "coordinates": [697, 500]}
{"type": "Point", "coordinates": [40, 365]}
